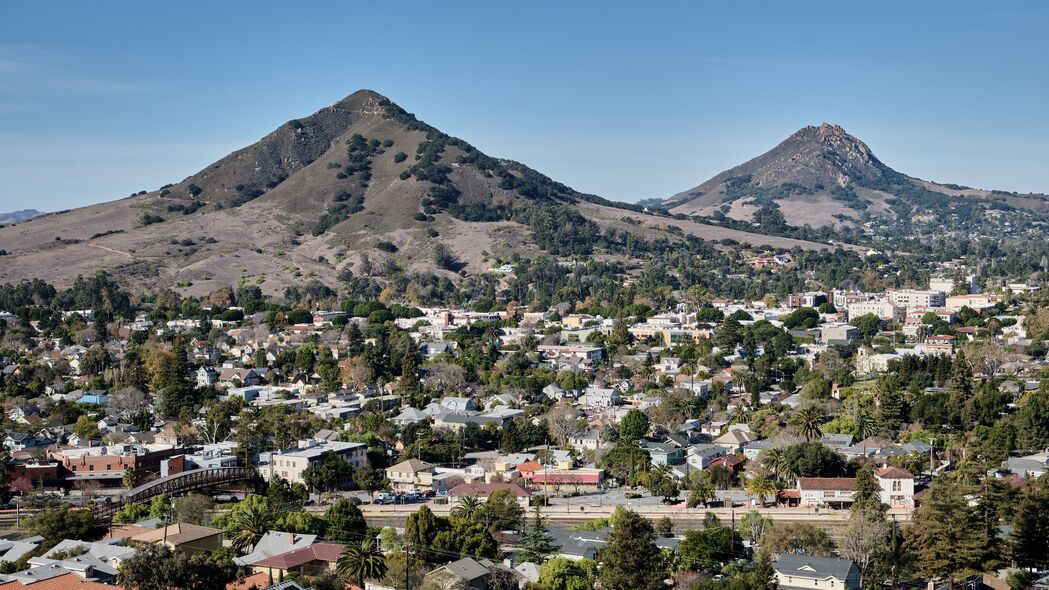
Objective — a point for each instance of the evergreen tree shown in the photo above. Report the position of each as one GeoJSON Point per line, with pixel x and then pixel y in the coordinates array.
{"type": "Point", "coordinates": [868, 493]}
{"type": "Point", "coordinates": [1029, 540]}
{"type": "Point", "coordinates": [630, 559]}
{"type": "Point", "coordinates": [946, 536]}
{"type": "Point", "coordinates": [763, 576]}
{"type": "Point", "coordinates": [537, 544]}
{"type": "Point", "coordinates": [959, 387]}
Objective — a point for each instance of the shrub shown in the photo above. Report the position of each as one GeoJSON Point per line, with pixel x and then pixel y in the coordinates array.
{"type": "Point", "coordinates": [400, 157]}
{"type": "Point", "coordinates": [386, 246]}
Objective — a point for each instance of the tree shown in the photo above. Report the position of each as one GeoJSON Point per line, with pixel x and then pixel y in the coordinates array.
{"type": "Point", "coordinates": [634, 426]}
{"type": "Point", "coordinates": [761, 488]}
{"type": "Point", "coordinates": [946, 536]}
{"type": "Point", "coordinates": [866, 537]}
{"type": "Point", "coordinates": [774, 461]}
{"type": "Point", "coordinates": [66, 523]}
{"type": "Point", "coordinates": [420, 530]}
{"type": "Point", "coordinates": [361, 560]}
{"type": "Point", "coordinates": [249, 521]}
{"type": "Point", "coordinates": [346, 523]}
{"type": "Point", "coordinates": [370, 478]}
{"type": "Point", "coordinates": [708, 547]}
{"type": "Point", "coordinates": [1029, 540]}
{"type": "Point", "coordinates": [630, 559]}
{"type": "Point", "coordinates": [467, 508]}
{"type": "Point", "coordinates": [536, 543]}
{"type": "Point", "coordinates": [86, 428]}
{"type": "Point", "coordinates": [157, 567]}
{"type": "Point", "coordinates": [764, 575]}
{"type": "Point", "coordinates": [869, 324]}
{"type": "Point", "coordinates": [808, 423]}
{"type": "Point", "coordinates": [194, 508]}
{"type": "Point", "coordinates": [331, 474]}
{"type": "Point", "coordinates": [797, 538]}
{"type": "Point", "coordinates": [501, 512]}
{"type": "Point", "coordinates": [561, 573]}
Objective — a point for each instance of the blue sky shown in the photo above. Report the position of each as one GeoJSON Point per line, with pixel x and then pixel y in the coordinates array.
{"type": "Point", "coordinates": [626, 100]}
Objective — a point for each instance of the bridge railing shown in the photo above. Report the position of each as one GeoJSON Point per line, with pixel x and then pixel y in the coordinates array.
{"type": "Point", "coordinates": [186, 481]}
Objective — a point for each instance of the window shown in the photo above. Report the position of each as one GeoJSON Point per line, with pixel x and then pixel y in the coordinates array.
{"type": "Point", "coordinates": [897, 485]}
{"type": "Point", "coordinates": [90, 467]}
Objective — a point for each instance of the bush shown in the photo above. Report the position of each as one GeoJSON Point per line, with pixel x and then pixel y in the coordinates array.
{"type": "Point", "coordinates": [400, 157]}
{"type": "Point", "coordinates": [386, 246]}
{"type": "Point", "coordinates": [150, 219]}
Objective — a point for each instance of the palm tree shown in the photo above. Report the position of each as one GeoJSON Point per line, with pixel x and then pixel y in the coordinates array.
{"type": "Point", "coordinates": [467, 508]}
{"type": "Point", "coordinates": [361, 560]}
{"type": "Point", "coordinates": [739, 415]}
{"type": "Point", "coordinates": [808, 423]}
{"type": "Point", "coordinates": [762, 487]}
{"type": "Point", "coordinates": [774, 461]}
{"type": "Point", "coordinates": [701, 493]}
{"type": "Point", "coordinates": [250, 524]}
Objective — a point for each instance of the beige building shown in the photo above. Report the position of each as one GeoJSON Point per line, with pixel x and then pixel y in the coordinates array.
{"type": "Point", "coordinates": [291, 463]}
{"type": "Point", "coordinates": [183, 537]}
{"type": "Point", "coordinates": [410, 475]}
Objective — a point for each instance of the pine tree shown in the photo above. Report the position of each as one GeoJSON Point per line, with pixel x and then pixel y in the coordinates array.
{"type": "Point", "coordinates": [867, 497]}
{"type": "Point", "coordinates": [946, 536]}
{"type": "Point", "coordinates": [1030, 537]}
{"type": "Point", "coordinates": [764, 576]}
{"type": "Point", "coordinates": [630, 559]}
{"type": "Point", "coordinates": [537, 543]}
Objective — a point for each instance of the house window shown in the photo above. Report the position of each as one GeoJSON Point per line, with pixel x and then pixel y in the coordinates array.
{"type": "Point", "coordinates": [90, 467]}
{"type": "Point", "coordinates": [897, 485]}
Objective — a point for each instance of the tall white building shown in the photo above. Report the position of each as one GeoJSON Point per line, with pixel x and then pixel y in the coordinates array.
{"type": "Point", "coordinates": [912, 298]}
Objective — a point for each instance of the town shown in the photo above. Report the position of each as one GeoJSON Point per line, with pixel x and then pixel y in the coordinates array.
{"type": "Point", "coordinates": [829, 438]}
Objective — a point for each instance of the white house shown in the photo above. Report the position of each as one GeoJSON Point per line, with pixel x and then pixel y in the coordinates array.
{"type": "Point", "coordinates": [797, 572]}
{"type": "Point", "coordinates": [897, 487]}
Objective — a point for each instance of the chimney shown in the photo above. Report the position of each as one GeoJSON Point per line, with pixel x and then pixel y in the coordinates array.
{"type": "Point", "coordinates": [291, 538]}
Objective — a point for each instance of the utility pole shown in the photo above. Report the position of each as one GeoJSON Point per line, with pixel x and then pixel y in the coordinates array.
{"type": "Point", "coordinates": [407, 566]}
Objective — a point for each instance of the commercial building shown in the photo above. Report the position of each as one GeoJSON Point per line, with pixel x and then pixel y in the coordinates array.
{"type": "Point", "coordinates": [292, 463]}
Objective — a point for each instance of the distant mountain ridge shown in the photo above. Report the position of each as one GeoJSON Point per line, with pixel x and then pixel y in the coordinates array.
{"type": "Point", "coordinates": [822, 175]}
{"type": "Point", "coordinates": [16, 216]}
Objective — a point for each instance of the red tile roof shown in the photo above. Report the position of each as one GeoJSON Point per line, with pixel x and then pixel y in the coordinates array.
{"type": "Point", "coordinates": [529, 466]}
{"type": "Point", "coordinates": [827, 483]}
{"type": "Point", "coordinates": [257, 581]}
{"type": "Point", "coordinates": [894, 473]}
{"type": "Point", "coordinates": [327, 552]}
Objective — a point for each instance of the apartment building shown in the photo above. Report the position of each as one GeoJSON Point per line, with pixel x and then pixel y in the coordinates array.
{"type": "Point", "coordinates": [291, 463]}
{"type": "Point", "coordinates": [910, 299]}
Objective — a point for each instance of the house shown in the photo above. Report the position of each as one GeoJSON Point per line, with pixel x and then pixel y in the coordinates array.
{"type": "Point", "coordinates": [663, 453]}
{"type": "Point", "coordinates": [12, 550]}
{"type": "Point", "coordinates": [411, 475]}
{"type": "Point", "coordinates": [835, 492]}
{"type": "Point", "coordinates": [65, 581]}
{"type": "Point", "coordinates": [797, 572]}
{"type": "Point", "coordinates": [702, 455]}
{"type": "Point", "coordinates": [482, 491]}
{"type": "Point", "coordinates": [290, 464]}
{"type": "Point", "coordinates": [93, 561]}
{"type": "Point", "coordinates": [409, 416]}
{"type": "Point", "coordinates": [183, 537]}
{"type": "Point", "coordinates": [586, 440]}
{"type": "Point", "coordinates": [206, 377]}
{"type": "Point", "coordinates": [734, 440]}
{"type": "Point", "coordinates": [312, 559]}
{"type": "Point", "coordinates": [459, 405]}
{"type": "Point", "coordinates": [466, 573]}
{"type": "Point", "coordinates": [275, 543]}
{"type": "Point", "coordinates": [600, 397]}
{"type": "Point", "coordinates": [897, 487]}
